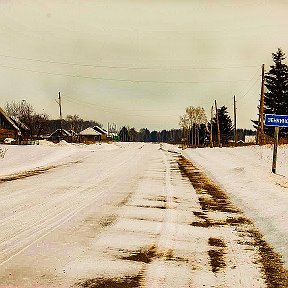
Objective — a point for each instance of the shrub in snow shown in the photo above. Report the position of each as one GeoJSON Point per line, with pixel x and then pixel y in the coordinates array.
{"type": "Point", "coordinates": [2, 152]}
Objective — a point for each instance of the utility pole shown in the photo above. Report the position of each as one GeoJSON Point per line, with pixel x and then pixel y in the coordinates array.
{"type": "Point", "coordinates": [218, 125]}
{"type": "Point", "coordinates": [60, 110]}
{"type": "Point", "coordinates": [235, 126]}
{"type": "Point", "coordinates": [260, 134]}
{"type": "Point", "coordinates": [211, 128]}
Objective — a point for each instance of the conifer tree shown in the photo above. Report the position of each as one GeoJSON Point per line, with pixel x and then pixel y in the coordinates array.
{"type": "Point", "coordinates": [276, 82]}
{"type": "Point", "coordinates": [226, 126]}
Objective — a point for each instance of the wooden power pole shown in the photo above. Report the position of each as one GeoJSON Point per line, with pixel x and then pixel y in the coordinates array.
{"type": "Point", "coordinates": [260, 134]}
{"type": "Point", "coordinates": [235, 123]}
{"type": "Point", "coordinates": [218, 125]}
{"type": "Point", "coordinates": [211, 128]}
{"type": "Point", "coordinates": [60, 109]}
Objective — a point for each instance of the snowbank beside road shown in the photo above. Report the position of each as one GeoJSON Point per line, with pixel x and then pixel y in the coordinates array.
{"type": "Point", "coordinates": [245, 173]}
{"type": "Point", "coordinates": [22, 158]}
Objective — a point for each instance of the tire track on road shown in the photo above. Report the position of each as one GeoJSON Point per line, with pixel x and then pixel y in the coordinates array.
{"type": "Point", "coordinates": [40, 229]}
{"type": "Point", "coordinates": [166, 241]}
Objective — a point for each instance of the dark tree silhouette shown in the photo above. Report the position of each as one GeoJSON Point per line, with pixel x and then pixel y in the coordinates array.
{"type": "Point", "coordinates": [276, 96]}
{"type": "Point", "coordinates": [226, 127]}
{"type": "Point", "coordinates": [124, 134]}
{"type": "Point", "coordinates": [144, 135]}
{"type": "Point", "coordinates": [154, 136]}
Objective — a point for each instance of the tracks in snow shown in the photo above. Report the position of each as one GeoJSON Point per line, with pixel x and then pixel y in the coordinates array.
{"type": "Point", "coordinates": [32, 222]}
{"type": "Point", "coordinates": [169, 233]}
{"type": "Point", "coordinates": [174, 234]}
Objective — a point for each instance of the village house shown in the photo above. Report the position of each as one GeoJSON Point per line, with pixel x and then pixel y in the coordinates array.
{"type": "Point", "coordinates": [60, 134]}
{"type": "Point", "coordinates": [103, 133]}
{"type": "Point", "coordinates": [8, 128]}
{"type": "Point", "coordinates": [89, 135]}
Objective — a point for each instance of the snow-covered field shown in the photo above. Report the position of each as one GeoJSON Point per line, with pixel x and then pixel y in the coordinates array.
{"type": "Point", "coordinates": [245, 174]}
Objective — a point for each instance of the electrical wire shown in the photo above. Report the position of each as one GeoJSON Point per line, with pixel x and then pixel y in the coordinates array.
{"type": "Point", "coordinates": [117, 110]}
{"type": "Point", "coordinates": [244, 88]}
{"type": "Point", "coordinates": [121, 80]}
{"type": "Point", "coordinates": [251, 87]}
{"type": "Point", "coordinates": [125, 67]}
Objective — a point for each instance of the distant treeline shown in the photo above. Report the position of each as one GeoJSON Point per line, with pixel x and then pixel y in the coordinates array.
{"type": "Point", "coordinates": [174, 136]}
{"type": "Point", "coordinates": [144, 135]}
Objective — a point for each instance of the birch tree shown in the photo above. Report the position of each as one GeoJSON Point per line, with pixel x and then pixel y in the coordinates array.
{"type": "Point", "coordinates": [191, 123]}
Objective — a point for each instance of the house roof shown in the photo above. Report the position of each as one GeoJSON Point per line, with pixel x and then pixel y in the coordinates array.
{"type": "Point", "coordinates": [59, 132]}
{"type": "Point", "coordinates": [89, 132]}
{"type": "Point", "coordinates": [9, 119]}
{"type": "Point", "coordinates": [19, 123]}
{"type": "Point", "coordinates": [100, 130]}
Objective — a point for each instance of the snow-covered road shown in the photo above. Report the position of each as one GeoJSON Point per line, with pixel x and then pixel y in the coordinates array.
{"type": "Point", "coordinates": [38, 207]}
{"type": "Point", "coordinates": [120, 215]}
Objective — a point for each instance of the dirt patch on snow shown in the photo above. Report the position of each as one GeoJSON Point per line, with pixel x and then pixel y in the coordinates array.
{"type": "Point", "coordinates": [124, 282]}
{"type": "Point", "coordinates": [217, 254]}
{"type": "Point", "coordinates": [272, 264]}
{"type": "Point", "coordinates": [148, 206]}
{"type": "Point", "coordinates": [213, 199]}
{"type": "Point", "coordinates": [107, 220]}
{"type": "Point", "coordinates": [217, 260]}
{"type": "Point", "coordinates": [218, 242]}
{"type": "Point", "coordinates": [26, 174]}
{"type": "Point", "coordinates": [144, 255]}
{"type": "Point", "coordinates": [34, 172]}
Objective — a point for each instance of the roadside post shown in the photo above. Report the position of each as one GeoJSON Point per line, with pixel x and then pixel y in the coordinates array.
{"type": "Point", "coordinates": [276, 137]}
{"type": "Point", "coordinates": [276, 121]}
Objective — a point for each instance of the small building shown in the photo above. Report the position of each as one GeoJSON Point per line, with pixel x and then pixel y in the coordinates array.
{"type": "Point", "coordinates": [60, 134]}
{"type": "Point", "coordinates": [114, 136]}
{"type": "Point", "coordinates": [8, 128]}
{"type": "Point", "coordinates": [103, 132]}
{"type": "Point", "coordinates": [24, 129]}
{"type": "Point", "coordinates": [89, 135]}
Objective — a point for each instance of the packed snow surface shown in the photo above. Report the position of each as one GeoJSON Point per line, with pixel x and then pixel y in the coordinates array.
{"type": "Point", "coordinates": [89, 208]}
{"type": "Point", "coordinates": [245, 174]}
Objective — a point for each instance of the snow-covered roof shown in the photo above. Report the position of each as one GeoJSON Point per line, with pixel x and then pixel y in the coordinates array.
{"type": "Point", "coordinates": [61, 132]}
{"type": "Point", "coordinates": [19, 123]}
{"type": "Point", "coordinates": [90, 132]}
{"type": "Point", "coordinates": [9, 119]}
{"type": "Point", "coordinates": [100, 130]}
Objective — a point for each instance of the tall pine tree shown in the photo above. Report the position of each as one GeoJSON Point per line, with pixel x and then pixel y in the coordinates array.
{"type": "Point", "coordinates": [226, 126]}
{"type": "Point", "coordinates": [276, 96]}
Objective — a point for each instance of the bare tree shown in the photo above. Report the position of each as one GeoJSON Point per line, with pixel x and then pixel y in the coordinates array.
{"type": "Point", "coordinates": [27, 119]}
{"type": "Point", "coordinates": [22, 111]}
{"type": "Point", "coordinates": [191, 121]}
{"type": "Point", "coordinates": [40, 124]}
{"type": "Point", "coordinates": [75, 123]}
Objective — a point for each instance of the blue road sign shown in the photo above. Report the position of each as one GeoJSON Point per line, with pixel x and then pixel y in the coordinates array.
{"type": "Point", "coordinates": [276, 120]}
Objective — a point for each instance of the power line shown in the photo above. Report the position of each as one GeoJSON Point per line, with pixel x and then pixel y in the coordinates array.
{"type": "Point", "coordinates": [251, 87]}
{"type": "Point", "coordinates": [118, 110]}
{"type": "Point", "coordinates": [125, 67]}
{"type": "Point", "coordinates": [121, 80]}
{"type": "Point", "coordinates": [244, 88]}
{"type": "Point", "coordinates": [114, 108]}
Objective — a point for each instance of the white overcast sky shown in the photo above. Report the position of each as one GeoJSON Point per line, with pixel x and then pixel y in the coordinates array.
{"type": "Point", "coordinates": [138, 63]}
